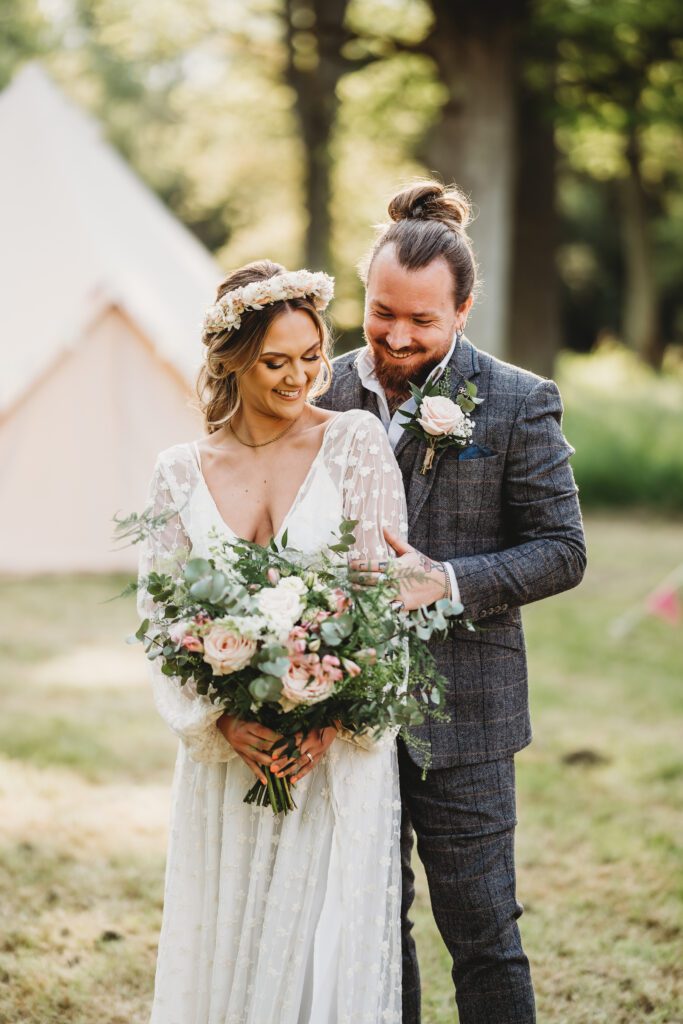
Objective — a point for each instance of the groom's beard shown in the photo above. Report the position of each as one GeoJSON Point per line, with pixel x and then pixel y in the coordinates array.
{"type": "Point", "coordinates": [395, 377]}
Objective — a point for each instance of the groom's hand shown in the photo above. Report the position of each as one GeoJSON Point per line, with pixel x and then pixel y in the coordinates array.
{"type": "Point", "coordinates": [425, 580]}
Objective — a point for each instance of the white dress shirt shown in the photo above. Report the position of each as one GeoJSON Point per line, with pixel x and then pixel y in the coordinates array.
{"type": "Point", "coordinates": [394, 425]}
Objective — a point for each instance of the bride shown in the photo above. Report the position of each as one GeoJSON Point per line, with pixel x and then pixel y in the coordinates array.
{"type": "Point", "coordinates": [290, 919]}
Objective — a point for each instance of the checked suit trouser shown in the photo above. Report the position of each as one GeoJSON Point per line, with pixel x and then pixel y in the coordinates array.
{"type": "Point", "coordinates": [464, 819]}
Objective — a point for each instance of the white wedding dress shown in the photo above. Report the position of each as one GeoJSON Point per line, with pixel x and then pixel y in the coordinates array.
{"type": "Point", "coordinates": [291, 919]}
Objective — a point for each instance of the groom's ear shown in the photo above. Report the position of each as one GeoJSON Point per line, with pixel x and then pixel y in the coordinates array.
{"type": "Point", "coordinates": [462, 311]}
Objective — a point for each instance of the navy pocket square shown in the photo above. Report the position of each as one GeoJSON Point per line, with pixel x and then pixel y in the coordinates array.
{"type": "Point", "coordinates": [474, 451]}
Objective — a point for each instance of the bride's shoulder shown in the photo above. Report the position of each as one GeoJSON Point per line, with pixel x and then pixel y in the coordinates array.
{"type": "Point", "coordinates": [352, 435]}
{"type": "Point", "coordinates": [178, 458]}
{"type": "Point", "coordinates": [356, 423]}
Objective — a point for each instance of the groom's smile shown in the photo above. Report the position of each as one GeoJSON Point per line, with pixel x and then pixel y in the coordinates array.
{"type": "Point", "coordinates": [410, 319]}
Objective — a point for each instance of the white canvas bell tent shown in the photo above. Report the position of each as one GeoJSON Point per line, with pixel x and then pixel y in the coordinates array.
{"type": "Point", "coordinates": [103, 293]}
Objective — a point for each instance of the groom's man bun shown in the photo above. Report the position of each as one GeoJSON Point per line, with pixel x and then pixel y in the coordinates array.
{"type": "Point", "coordinates": [429, 221]}
{"type": "Point", "coordinates": [430, 200]}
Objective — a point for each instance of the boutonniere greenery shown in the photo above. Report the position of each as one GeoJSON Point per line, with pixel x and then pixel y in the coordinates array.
{"type": "Point", "coordinates": [440, 421]}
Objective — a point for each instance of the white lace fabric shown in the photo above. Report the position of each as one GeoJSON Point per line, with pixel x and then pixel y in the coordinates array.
{"type": "Point", "coordinates": [295, 919]}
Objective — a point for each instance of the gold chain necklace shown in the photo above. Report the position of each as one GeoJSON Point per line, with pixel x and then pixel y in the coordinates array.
{"type": "Point", "coordinates": [262, 444]}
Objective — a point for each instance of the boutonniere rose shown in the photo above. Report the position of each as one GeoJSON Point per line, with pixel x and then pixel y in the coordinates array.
{"type": "Point", "coordinates": [440, 421]}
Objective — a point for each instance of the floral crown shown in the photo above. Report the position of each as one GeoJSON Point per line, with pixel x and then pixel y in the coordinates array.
{"type": "Point", "coordinates": [226, 314]}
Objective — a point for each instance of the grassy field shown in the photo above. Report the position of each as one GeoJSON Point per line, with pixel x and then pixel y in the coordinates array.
{"type": "Point", "coordinates": [84, 796]}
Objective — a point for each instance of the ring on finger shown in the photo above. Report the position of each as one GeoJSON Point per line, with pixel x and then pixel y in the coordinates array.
{"type": "Point", "coordinates": [309, 756]}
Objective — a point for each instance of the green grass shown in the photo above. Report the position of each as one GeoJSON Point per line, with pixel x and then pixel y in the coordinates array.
{"type": "Point", "coordinates": [84, 791]}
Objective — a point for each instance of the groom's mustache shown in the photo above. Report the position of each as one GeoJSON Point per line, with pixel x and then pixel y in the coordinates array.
{"type": "Point", "coordinates": [405, 369]}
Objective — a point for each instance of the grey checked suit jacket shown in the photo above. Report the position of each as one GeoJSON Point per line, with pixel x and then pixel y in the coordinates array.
{"type": "Point", "coordinates": [509, 522]}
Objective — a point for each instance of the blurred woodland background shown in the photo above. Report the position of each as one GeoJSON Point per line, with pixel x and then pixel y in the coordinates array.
{"type": "Point", "coordinates": [280, 128]}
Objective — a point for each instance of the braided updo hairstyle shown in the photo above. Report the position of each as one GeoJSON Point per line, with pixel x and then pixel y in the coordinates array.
{"type": "Point", "coordinates": [429, 221]}
{"type": "Point", "coordinates": [232, 352]}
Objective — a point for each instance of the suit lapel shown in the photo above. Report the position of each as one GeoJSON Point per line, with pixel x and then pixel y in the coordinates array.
{"type": "Point", "coordinates": [352, 394]}
{"type": "Point", "coordinates": [464, 365]}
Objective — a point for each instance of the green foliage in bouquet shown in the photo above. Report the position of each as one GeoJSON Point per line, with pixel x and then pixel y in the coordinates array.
{"type": "Point", "coordinates": [273, 637]}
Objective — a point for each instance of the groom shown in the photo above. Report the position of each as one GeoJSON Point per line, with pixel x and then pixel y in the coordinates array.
{"type": "Point", "coordinates": [496, 525]}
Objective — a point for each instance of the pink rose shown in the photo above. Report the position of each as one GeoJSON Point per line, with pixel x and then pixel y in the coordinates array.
{"type": "Point", "coordinates": [440, 416]}
{"type": "Point", "coordinates": [368, 655]}
{"type": "Point", "coordinates": [300, 687]}
{"type": "Point", "coordinates": [226, 651]}
{"type": "Point", "coordinates": [192, 643]}
{"type": "Point", "coordinates": [273, 576]}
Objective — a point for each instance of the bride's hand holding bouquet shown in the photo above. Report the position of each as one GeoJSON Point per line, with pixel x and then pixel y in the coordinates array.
{"type": "Point", "coordinates": [292, 651]}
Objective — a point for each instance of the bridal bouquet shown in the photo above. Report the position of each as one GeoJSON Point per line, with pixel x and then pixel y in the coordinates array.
{"type": "Point", "coordinates": [292, 645]}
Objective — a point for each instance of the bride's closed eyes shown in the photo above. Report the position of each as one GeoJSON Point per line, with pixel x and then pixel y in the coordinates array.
{"type": "Point", "coordinates": [306, 359]}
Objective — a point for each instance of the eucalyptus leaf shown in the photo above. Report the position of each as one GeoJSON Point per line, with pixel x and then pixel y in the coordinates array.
{"type": "Point", "coordinates": [276, 667]}
{"type": "Point", "coordinates": [330, 633]}
{"type": "Point", "coordinates": [196, 568]}
{"type": "Point", "coordinates": [344, 624]}
{"type": "Point", "coordinates": [218, 586]}
{"type": "Point", "coordinates": [142, 629]}
{"type": "Point", "coordinates": [201, 590]}
{"type": "Point", "coordinates": [265, 688]}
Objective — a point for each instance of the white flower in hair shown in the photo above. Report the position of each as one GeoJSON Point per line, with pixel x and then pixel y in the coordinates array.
{"type": "Point", "coordinates": [226, 314]}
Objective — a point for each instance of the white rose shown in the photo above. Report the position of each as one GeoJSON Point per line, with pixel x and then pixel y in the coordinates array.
{"type": "Point", "coordinates": [439, 416]}
{"type": "Point", "coordinates": [294, 583]}
{"type": "Point", "coordinates": [281, 606]}
{"type": "Point", "coordinates": [226, 651]}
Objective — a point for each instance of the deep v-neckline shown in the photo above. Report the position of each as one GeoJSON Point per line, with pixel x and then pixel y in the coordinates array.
{"type": "Point", "coordinates": [290, 510]}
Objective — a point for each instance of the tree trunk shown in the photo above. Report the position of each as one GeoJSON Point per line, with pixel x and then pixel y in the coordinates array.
{"type": "Point", "coordinates": [474, 142]}
{"type": "Point", "coordinates": [534, 321]}
{"type": "Point", "coordinates": [315, 34]}
{"type": "Point", "coordinates": [641, 320]}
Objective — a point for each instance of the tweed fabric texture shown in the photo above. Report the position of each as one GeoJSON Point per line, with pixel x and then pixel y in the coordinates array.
{"type": "Point", "coordinates": [508, 521]}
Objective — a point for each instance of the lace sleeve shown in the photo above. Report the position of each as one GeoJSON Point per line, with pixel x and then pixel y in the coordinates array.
{"type": "Point", "coordinates": [191, 716]}
{"type": "Point", "coordinates": [373, 493]}
{"type": "Point", "coordinates": [372, 488]}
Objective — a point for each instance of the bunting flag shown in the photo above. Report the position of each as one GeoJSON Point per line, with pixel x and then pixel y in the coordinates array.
{"type": "Point", "coordinates": [664, 602]}
{"type": "Point", "coordinates": [666, 605]}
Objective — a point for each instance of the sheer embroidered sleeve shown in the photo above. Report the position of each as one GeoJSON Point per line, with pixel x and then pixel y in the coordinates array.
{"type": "Point", "coordinates": [372, 492]}
{"type": "Point", "coordinates": [372, 487]}
{"type": "Point", "coordinates": [191, 716]}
